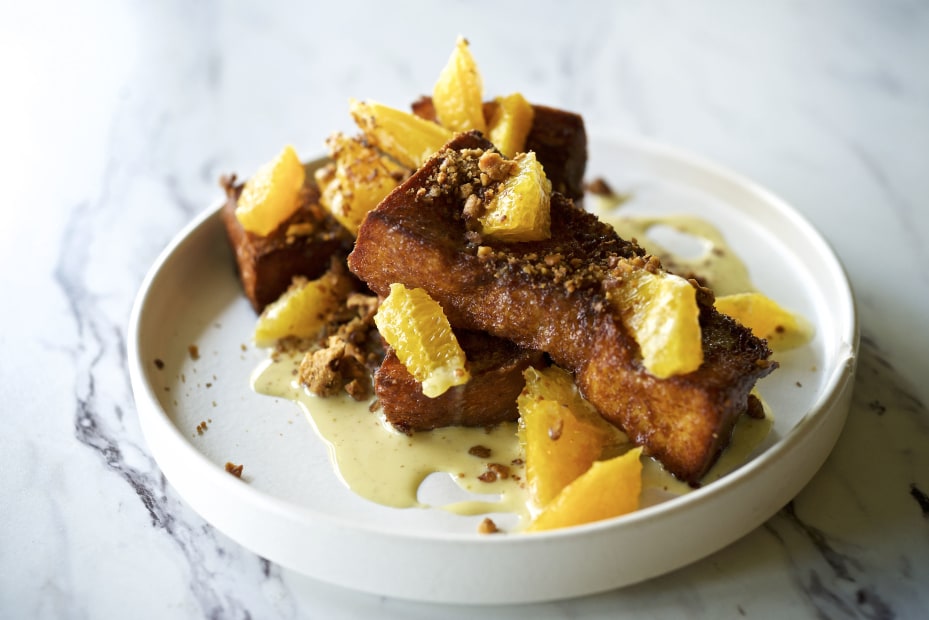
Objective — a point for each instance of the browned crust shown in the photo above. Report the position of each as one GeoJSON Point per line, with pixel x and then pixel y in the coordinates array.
{"type": "Point", "coordinates": [302, 245]}
{"type": "Point", "coordinates": [489, 398]}
{"type": "Point", "coordinates": [417, 236]}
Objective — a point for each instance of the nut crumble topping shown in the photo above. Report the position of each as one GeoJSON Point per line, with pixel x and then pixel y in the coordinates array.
{"type": "Point", "coordinates": [487, 526]}
{"type": "Point", "coordinates": [346, 356]}
{"type": "Point", "coordinates": [235, 470]}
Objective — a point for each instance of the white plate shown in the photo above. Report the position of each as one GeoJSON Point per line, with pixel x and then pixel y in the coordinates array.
{"type": "Point", "coordinates": [293, 509]}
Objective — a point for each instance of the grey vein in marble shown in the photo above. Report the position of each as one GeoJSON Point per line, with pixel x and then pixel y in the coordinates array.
{"type": "Point", "coordinates": [100, 426]}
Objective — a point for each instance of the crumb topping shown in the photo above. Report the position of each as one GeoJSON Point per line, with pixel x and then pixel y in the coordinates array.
{"type": "Point", "coordinates": [469, 177]}
{"type": "Point", "coordinates": [235, 470]}
{"type": "Point", "coordinates": [494, 472]}
{"type": "Point", "coordinates": [479, 451]}
{"type": "Point", "coordinates": [487, 526]}
{"type": "Point", "coordinates": [345, 359]}
{"type": "Point", "coordinates": [495, 167]}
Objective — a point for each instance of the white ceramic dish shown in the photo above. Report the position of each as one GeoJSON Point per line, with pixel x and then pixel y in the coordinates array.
{"type": "Point", "coordinates": [292, 508]}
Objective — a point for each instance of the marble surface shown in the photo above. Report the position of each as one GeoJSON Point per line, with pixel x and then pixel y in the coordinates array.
{"type": "Point", "coordinates": [118, 117]}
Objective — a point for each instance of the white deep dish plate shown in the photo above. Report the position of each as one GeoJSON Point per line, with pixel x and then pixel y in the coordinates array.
{"type": "Point", "coordinates": [293, 509]}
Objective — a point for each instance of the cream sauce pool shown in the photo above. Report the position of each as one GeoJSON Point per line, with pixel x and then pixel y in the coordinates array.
{"type": "Point", "coordinates": [388, 467]}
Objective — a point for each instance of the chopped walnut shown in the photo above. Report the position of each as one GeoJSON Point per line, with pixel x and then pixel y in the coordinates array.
{"type": "Point", "coordinates": [479, 451]}
{"type": "Point", "coordinates": [653, 265]}
{"type": "Point", "coordinates": [494, 472]}
{"type": "Point", "coordinates": [235, 470]}
{"type": "Point", "coordinates": [319, 370]}
{"type": "Point", "coordinates": [346, 358]}
{"type": "Point", "coordinates": [496, 167]}
{"type": "Point", "coordinates": [473, 207]}
{"type": "Point", "coordinates": [487, 526]}
{"type": "Point", "coordinates": [338, 365]}
{"type": "Point", "coordinates": [358, 389]}
{"type": "Point", "coordinates": [502, 471]}
{"type": "Point", "coordinates": [553, 259]}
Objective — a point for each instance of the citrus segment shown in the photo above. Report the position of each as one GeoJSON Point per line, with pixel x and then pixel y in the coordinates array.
{"type": "Point", "coordinates": [458, 93]}
{"type": "Point", "coordinates": [271, 195]}
{"type": "Point", "coordinates": [510, 124]}
{"type": "Point", "coordinates": [303, 309]}
{"type": "Point", "coordinates": [561, 433]}
{"type": "Point", "coordinates": [416, 327]}
{"type": "Point", "coordinates": [520, 209]}
{"type": "Point", "coordinates": [357, 181]}
{"type": "Point", "coordinates": [407, 138]}
{"type": "Point", "coordinates": [660, 311]}
{"type": "Point", "coordinates": [782, 328]}
{"type": "Point", "coordinates": [608, 489]}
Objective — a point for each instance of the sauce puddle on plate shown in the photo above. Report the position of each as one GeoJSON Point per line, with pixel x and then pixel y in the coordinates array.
{"type": "Point", "coordinates": [386, 466]}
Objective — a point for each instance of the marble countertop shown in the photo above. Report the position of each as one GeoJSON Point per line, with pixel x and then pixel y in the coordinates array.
{"type": "Point", "coordinates": [119, 117]}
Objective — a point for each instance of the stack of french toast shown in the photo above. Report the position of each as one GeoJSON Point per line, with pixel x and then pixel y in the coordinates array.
{"type": "Point", "coordinates": [512, 304]}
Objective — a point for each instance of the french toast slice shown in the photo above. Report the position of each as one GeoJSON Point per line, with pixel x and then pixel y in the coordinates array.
{"type": "Point", "coordinates": [489, 398]}
{"type": "Point", "coordinates": [302, 245]}
{"type": "Point", "coordinates": [552, 296]}
{"type": "Point", "coordinates": [557, 137]}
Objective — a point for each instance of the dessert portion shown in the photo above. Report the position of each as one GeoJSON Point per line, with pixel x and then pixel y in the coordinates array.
{"type": "Point", "coordinates": [440, 261]}
{"type": "Point", "coordinates": [556, 295]}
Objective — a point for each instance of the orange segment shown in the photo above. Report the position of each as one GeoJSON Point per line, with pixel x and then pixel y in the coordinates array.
{"type": "Point", "coordinates": [302, 310]}
{"type": "Point", "coordinates": [360, 180]}
{"type": "Point", "coordinates": [271, 195]}
{"type": "Point", "coordinates": [608, 489]}
{"type": "Point", "coordinates": [660, 311]}
{"type": "Point", "coordinates": [416, 327]}
{"type": "Point", "coordinates": [510, 124]}
{"type": "Point", "coordinates": [520, 209]}
{"type": "Point", "coordinates": [562, 434]}
{"type": "Point", "coordinates": [458, 93]}
{"type": "Point", "coordinates": [782, 328]}
{"type": "Point", "coordinates": [407, 138]}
